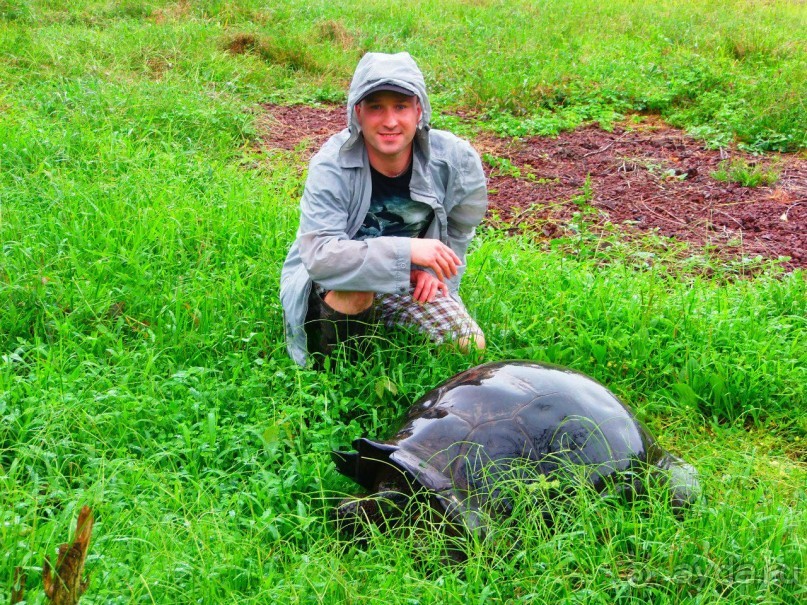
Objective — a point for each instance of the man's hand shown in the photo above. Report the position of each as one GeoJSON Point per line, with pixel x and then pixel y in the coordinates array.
{"type": "Point", "coordinates": [435, 255]}
{"type": "Point", "coordinates": [426, 286]}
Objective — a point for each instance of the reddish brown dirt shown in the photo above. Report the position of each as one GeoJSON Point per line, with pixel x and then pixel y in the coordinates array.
{"type": "Point", "coordinates": [643, 176]}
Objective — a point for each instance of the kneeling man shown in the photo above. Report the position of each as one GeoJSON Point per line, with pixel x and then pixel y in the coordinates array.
{"type": "Point", "coordinates": [387, 213]}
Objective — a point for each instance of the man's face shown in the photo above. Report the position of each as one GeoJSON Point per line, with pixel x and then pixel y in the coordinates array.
{"type": "Point", "coordinates": [388, 122]}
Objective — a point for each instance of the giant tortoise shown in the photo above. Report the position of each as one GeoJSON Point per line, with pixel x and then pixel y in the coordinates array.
{"type": "Point", "coordinates": [477, 427]}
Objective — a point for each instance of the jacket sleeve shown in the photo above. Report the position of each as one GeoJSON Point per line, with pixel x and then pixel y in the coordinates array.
{"type": "Point", "coordinates": [467, 206]}
{"type": "Point", "coordinates": [327, 251]}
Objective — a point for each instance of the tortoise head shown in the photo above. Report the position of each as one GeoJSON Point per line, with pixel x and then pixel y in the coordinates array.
{"type": "Point", "coordinates": [401, 494]}
{"type": "Point", "coordinates": [391, 491]}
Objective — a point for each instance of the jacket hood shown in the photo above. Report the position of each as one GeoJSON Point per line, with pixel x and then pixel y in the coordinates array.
{"type": "Point", "coordinates": [398, 69]}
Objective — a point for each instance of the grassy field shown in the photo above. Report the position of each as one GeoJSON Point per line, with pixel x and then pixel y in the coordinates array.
{"type": "Point", "coordinates": [142, 364]}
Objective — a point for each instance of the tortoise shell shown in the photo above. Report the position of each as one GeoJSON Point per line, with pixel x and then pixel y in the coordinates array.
{"type": "Point", "coordinates": [477, 426]}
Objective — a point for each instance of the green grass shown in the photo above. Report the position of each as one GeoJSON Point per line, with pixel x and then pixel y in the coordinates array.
{"type": "Point", "coordinates": [142, 364]}
{"type": "Point", "coordinates": [747, 174]}
{"type": "Point", "coordinates": [724, 70]}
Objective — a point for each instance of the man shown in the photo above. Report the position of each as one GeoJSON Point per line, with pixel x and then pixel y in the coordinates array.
{"type": "Point", "coordinates": [387, 213]}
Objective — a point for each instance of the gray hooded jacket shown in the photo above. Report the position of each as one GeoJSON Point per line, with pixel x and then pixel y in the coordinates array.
{"type": "Point", "coordinates": [446, 174]}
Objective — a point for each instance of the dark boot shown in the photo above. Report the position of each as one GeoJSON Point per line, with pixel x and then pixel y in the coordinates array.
{"type": "Point", "coordinates": [326, 327]}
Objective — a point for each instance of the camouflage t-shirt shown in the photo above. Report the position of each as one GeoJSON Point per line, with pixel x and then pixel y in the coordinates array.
{"type": "Point", "coordinates": [392, 211]}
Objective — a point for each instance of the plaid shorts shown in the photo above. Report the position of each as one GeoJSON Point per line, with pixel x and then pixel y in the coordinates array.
{"type": "Point", "coordinates": [443, 319]}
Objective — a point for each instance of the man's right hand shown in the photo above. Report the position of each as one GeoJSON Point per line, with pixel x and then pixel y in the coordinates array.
{"type": "Point", "coordinates": [435, 255]}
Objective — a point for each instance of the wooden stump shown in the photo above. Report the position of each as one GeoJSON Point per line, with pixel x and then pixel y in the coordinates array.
{"type": "Point", "coordinates": [64, 585]}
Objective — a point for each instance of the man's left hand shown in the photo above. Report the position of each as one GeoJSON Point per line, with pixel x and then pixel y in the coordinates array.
{"type": "Point", "coordinates": [426, 286]}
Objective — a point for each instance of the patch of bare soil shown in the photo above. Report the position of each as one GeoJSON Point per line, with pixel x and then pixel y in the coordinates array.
{"type": "Point", "coordinates": [640, 177]}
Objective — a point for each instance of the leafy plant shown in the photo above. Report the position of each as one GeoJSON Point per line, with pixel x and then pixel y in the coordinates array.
{"type": "Point", "coordinates": [502, 166]}
{"type": "Point", "coordinates": [747, 173]}
{"type": "Point", "coordinates": [583, 201]}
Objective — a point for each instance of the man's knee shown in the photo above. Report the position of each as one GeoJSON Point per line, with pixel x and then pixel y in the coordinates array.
{"type": "Point", "coordinates": [349, 302]}
{"type": "Point", "coordinates": [475, 341]}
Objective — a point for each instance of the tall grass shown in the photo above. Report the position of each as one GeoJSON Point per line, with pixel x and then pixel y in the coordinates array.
{"type": "Point", "coordinates": [725, 70]}
{"type": "Point", "coordinates": [142, 364]}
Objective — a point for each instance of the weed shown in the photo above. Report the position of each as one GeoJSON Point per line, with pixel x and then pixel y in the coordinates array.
{"type": "Point", "coordinates": [284, 52]}
{"type": "Point", "coordinates": [501, 166]}
{"type": "Point", "coordinates": [583, 201]}
{"type": "Point", "coordinates": [336, 31]}
{"type": "Point", "coordinates": [747, 173]}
